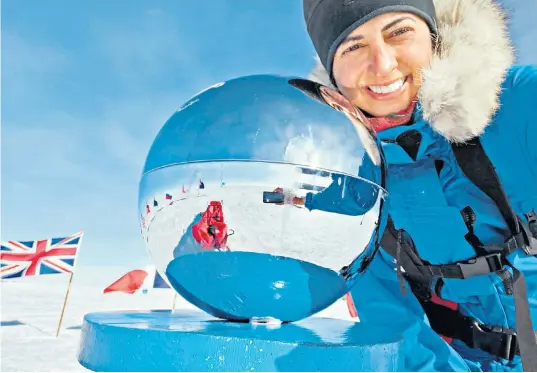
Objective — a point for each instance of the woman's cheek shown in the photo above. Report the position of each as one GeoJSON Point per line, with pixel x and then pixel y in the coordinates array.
{"type": "Point", "coordinates": [348, 74]}
{"type": "Point", "coordinates": [413, 55]}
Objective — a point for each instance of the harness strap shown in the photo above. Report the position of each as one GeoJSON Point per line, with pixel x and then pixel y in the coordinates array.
{"type": "Point", "coordinates": [523, 240]}
{"type": "Point", "coordinates": [477, 166]}
{"type": "Point", "coordinates": [480, 265]}
{"type": "Point", "coordinates": [418, 269]}
{"type": "Point", "coordinates": [532, 222]}
{"type": "Point", "coordinates": [474, 162]}
{"type": "Point", "coordinates": [527, 339]}
{"type": "Point", "coordinates": [451, 323]}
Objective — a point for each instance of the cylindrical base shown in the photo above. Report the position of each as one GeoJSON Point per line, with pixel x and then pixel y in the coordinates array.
{"type": "Point", "coordinates": [164, 340]}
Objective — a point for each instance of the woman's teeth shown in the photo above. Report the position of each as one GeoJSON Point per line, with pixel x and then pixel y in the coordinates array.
{"type": "Point", "coordinates": [388, 88]}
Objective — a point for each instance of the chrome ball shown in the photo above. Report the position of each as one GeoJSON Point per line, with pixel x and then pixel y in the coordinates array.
{"type": "Point", "coordinates": [255, 195]}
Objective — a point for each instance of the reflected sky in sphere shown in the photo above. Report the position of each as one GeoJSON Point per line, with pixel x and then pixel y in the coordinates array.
{"type": "Point", "coordinates": [276, 123]}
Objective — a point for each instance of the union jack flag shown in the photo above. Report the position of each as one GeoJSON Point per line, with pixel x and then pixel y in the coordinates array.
{"type": "Point", "coordinates": [42, 257]}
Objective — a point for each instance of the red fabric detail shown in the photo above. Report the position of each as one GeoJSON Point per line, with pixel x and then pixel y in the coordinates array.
{"type": "Point", "coordinates": [211, 231]}
{"type": "Point", "coordinates": [394, 120]}
{"type": "Point", "coordinates": [350, 305]}
{"type": "Point", "coordinates": [443, 302]}
{"type": "Point", "coordinates": [129, 283]}
{"type": "Point", "coordinates": [196, 231]}
{"type": "Point", "coordinates": [447, 303]}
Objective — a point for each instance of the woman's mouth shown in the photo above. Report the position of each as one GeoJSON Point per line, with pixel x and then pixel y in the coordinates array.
{"type": "Point", "coordinates": [388, 91]}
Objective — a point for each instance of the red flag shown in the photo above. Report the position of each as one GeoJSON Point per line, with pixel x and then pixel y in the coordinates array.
{"type": "Point", "coordinates": [129, 283]}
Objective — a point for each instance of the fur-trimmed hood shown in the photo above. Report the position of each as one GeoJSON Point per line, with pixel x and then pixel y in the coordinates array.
{"type": "Point", "coordinates": [461, 87]}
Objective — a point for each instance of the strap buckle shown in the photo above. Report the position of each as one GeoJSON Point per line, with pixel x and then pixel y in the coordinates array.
{"type": "Point", "coordinates": [529, 246]}
{"type": "Point", "coordinates": [481, 265]}
{"type": "Point", "coordinates": [524, 240]}
{"type": "Point", "coordinates": [495, 340]}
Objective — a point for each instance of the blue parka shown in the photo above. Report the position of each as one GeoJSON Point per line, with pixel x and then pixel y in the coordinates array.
{"type": "Point", "coordinates": [428, 205]}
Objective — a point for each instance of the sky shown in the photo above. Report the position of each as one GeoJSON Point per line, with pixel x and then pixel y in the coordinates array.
{"type": "Point", "coordinates": [87, 85]}
{"type": "Point", "coordinates": [522, 28]}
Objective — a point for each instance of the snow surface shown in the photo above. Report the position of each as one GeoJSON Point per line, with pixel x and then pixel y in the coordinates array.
{"type": "Point", "coordinates": [31, 310]}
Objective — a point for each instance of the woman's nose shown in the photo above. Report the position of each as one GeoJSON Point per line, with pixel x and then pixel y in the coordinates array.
{"type": "Point", "coordinates": [383, 60]}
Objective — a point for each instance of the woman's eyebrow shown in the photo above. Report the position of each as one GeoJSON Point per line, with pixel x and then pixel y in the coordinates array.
{"type": "Point", "coordinates": [393, 23]}
{"type": "Point", "coordinates": [387, 27]}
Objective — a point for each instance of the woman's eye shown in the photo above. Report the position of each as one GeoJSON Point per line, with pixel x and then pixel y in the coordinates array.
{"type": "Point", "coordinates": [352, 48]}
{"type": "Point", "coordinates": [400, 31]}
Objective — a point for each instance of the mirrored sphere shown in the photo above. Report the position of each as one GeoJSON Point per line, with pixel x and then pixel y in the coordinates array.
{"type": "Point", "coordinates": [256, 193]}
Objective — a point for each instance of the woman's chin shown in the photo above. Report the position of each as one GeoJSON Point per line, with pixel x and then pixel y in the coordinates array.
{"type": "Point", "coordinates": [377, 111]}
{"type": "Point", "coordinates": [382, 109]}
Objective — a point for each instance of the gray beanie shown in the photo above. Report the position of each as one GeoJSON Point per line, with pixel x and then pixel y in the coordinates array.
{"type": "Point", "coordinates": [329, 22]}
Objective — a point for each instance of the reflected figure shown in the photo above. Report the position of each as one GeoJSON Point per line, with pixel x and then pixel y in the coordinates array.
{"type": "Point", "coordinates": [345, 195]}
{"type": "Point", "coordinates": [207, 231]}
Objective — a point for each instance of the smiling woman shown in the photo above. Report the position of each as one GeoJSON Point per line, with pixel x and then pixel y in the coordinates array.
{"type": "Point", "coordinates": [378, 65]}
{"type": "Point", "coordinates": [374, 51]}
{"type": "Point", "coordinates": [456, 120]}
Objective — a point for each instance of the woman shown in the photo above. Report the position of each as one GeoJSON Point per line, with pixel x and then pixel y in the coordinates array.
{"type": "Point", "coordinates": [431, 76]}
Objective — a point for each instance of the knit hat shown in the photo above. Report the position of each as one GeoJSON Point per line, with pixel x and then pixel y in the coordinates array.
{"type": "Point", "coordinates": [329, 22]}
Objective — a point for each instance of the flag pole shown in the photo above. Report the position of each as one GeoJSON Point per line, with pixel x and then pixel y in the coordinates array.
{"type": "Point", "coordinates": [64, 304]}
{"type": "Point", "coordinates": [174, 298]}
{"type": "Point", "coordinates": [69, 286]}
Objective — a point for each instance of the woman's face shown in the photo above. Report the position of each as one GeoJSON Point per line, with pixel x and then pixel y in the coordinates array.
{"type": "Point", "coordinates": [377, 67]}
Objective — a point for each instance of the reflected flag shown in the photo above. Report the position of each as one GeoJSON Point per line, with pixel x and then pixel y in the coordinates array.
{"type": "Point", "coordinates": [147, 209]}
{"type": "Point", "coordinates": [155, 203]}
{"type": "Point", "coordinates": [168, 196]}
{"type": "Point", "coordinates": [129, 283]}
{"type": "Point", "coordinates": [41, 257]}
{"type": "Point", "coordinates": [202, 186]}
{"type": "Point", "coordinates": [137, 279]}
{"type": "Point", "coordinates": [159, 282]}
{"type": "Point", "coordinates": [183, 190]}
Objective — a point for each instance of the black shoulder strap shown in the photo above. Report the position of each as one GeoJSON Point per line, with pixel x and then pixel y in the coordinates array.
{"type": "Point", "coordinates": [477, 166]}
{"type": "Point", "coordinates": [475, 163]}
{"type": "Point", "coordinates": [442, 319]}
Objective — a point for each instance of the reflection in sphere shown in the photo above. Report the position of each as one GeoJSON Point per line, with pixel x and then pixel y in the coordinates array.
{"type": "Point", "coordinates": [256, 193]}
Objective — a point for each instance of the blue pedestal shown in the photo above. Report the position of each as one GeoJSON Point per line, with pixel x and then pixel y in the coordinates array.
{"type": "Point", "coordinates": [164, 340]}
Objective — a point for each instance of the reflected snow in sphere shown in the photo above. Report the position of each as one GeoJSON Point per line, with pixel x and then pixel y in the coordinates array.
{"type": "Point", "coordinates": [255, 195]}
